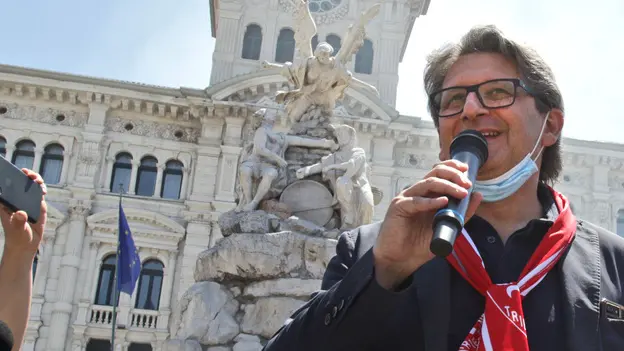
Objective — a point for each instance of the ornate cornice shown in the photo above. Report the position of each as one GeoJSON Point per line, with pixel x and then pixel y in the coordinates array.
{"type": "Point", "coordinates": [146, 226]}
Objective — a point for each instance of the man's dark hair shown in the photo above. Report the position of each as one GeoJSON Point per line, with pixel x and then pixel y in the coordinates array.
{"type": "Point", "coordinates": [533, 70]}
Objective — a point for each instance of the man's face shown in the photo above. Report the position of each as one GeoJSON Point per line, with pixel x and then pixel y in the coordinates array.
{"type": "Point", "coordinates": [518, 126]}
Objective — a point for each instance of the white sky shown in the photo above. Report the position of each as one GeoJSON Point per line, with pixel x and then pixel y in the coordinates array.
{"type": "Point", "coordinates": [167, 42]}
{"type": "Point", "coordinates": [582, 41]}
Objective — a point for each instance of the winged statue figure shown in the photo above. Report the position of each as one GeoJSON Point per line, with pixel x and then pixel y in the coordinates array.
{"type": "Point", "coordinates": [320, 79]}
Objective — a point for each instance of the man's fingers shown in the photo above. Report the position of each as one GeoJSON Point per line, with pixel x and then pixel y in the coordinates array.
{"type": "Point", "coordinates": [429, 186]}
{"type": "Point", "coordinates": [37, 178]}
{"type": "Point", "coordinates": [416, 204]}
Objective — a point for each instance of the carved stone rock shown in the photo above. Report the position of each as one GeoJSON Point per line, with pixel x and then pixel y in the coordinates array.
{"type": "Point", "coordinates": [259, 222]}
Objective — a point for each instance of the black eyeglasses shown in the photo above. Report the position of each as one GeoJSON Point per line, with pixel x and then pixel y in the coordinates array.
{"type": "Point", "coordinates": [496, 93]}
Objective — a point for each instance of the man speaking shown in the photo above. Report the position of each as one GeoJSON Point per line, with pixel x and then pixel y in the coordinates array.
{"type": "Point", "coordinates": [525, 274]}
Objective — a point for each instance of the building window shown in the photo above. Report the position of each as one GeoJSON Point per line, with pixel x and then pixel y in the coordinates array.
{"type": "Point", "coordinates": [24, 155]}
{"type": "Point", "coordinates": [2, 146]}
{"type": "Point", "coordinates": [620, 223]}
{"type": "Point", "coordinates": [146, 177]}
{"type": "Point", "coordinates": [252, 42]}
{"type": "Point", "coordinates": [334, 41]}
{"type": "Point", "coordinates": [122, 170]}
{"type": "Point", "coordinates": [314, 42]}
{"type": "Point", "coordinates": [104, 292]}
{"type": "Point", "coordinates": [52, 164]}
{"type": "Point", "coordinates": [98, 345]}
{"type": "Point", "coordinates": [150, 283]}
{"type": "Point", "coordinates": [172, 180]}
{"type": "Point", "coordinates": [364, 58]}
{"type": "Point", "coordinates": [285, 49]}
{"type": "Point", "coordinates": [139, 347]}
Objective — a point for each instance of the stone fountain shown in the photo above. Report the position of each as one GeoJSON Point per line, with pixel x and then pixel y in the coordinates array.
{"type": "Point", "coordinates": [297, 191]}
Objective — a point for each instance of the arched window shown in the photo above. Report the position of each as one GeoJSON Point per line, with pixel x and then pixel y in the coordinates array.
{"type": "Point", "coordinates": [314, 42]}
{"type": "Point", "coordinates": [2, 146]}
{"type": "Point", "coordinates": [98, 345]}
{"type": "Point", "coordinates": [285, 49]}
{"type": "Point", "coordinates": [24, 154]}
{"type": "Point", "coordinates": [172, 180]}
{"type": "Point", "coordinates": [150, 283]}
{"type": "Point", "coordinates": [122, 170]}
{"type": "Point", "coordinates": [334, 41]}
{"type": "Point", "coordinates": [104, 292]}
{"type": "Point", "coordinates": [146, 177]}
{"type": "Point", "coordinates": [620, 223]}
{"type": "Point", "coordinates": [139, 347]}
{"type": "Point", "coordinates": [252, 42]}
{"type": "Point", "coordinates": [52, 164]}
{"type": "Point", "coordinates": [364, 58]}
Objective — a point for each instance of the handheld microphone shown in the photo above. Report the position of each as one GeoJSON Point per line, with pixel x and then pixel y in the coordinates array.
{"type": "Point", "coordinates": [6, 337]}
{"type": "Point", "coordinates": [469, 147]}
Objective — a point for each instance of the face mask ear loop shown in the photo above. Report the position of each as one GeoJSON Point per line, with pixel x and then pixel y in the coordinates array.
{"type": "Point", "coordinates": [539, 138]}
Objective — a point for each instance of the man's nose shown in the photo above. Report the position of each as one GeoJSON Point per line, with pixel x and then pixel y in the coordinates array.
{"type": "Point", "coordinates": [473, 107]}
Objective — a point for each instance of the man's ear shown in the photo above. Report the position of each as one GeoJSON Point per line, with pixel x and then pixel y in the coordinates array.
{"type": "Point", "coordinates": [553, 128]}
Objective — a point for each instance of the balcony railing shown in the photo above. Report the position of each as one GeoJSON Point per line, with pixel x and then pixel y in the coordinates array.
{"type": "Point", "coordinates": [132, 319]}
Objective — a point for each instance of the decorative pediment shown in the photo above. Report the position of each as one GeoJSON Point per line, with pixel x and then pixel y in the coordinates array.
{"type": "Point", "coordinates": [146, 227]}
{"type": "Point", "coordinates": [262, 85]}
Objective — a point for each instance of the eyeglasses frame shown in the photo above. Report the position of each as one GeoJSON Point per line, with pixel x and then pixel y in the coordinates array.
{"type": "Point", "coordinates": [475, 89]}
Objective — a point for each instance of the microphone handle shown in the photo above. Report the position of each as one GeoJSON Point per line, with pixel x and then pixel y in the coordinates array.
{"type": "Point", "coordinates": [449, 221]}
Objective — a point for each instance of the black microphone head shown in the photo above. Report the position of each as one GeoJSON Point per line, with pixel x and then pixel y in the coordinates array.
{"type": "Point", "coordinates": [6, 337]}
{"type": "Point", "coordinates": [473, 141]}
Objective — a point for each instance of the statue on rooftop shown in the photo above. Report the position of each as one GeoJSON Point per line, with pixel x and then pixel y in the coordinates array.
{"type": "Point", "coordinates": [320, 79]}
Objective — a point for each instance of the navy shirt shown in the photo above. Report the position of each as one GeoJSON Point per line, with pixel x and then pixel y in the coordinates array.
{"type": "Point", "coordinates": [504, 263]}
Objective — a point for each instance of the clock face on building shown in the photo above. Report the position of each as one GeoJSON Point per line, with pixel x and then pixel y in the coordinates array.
{"type": "Point", "coordinates": [323, 5]}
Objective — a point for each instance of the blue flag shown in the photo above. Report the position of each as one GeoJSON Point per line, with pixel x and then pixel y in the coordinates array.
{"type": "Point", "coordinates": [129, 262]}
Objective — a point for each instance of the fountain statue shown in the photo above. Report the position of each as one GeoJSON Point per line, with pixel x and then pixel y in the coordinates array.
{"type": "Point", "coordinates": [296, 192]}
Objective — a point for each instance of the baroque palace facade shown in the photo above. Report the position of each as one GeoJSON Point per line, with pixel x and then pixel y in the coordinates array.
{"type": "Point", "coordinates": [175, 150]}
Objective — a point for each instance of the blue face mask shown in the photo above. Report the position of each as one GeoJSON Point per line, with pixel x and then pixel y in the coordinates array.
{"type": "Point", "coordinates": [508, 183]}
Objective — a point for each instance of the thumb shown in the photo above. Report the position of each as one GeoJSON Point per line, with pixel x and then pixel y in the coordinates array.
{"type": "Point", "coordinates": [18, 220]}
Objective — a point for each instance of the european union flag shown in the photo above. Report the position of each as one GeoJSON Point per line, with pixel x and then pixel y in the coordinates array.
{"type": "Point", "coordinates": [129, 262]}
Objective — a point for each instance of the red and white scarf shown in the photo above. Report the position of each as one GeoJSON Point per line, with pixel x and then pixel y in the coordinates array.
{"type": "Point", "coordinates": [502, 327]}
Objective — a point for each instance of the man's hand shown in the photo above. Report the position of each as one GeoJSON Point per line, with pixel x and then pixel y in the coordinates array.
{"type": "Point", "coordinates": [403, 242]}
{"type": "Point", "coordinates": [21, 238]}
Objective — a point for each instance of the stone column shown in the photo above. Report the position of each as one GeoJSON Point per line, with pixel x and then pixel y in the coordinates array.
{"type": "Point", "coordinates": [90, 153]}
{"type": "Point", "coordinates": [66, 159]}
{"type": "Point", "coordinates": [383, 171]}
{"type": "Point", "coordinates": [196, 241]}
{"type": "Point", "coordinates": [228, 169]}
{"type": "Point", "coordinates": [133, 176]}
{"type": "Point", "coordinates": [186, 172]}
{"type": "Point", "coordinates": [87, 295]}
{"type": "Point", "coordinates": [9, 152]}
{"type": "Point", "coordinates": [159, 177]}
{"type": "Point", "coordinates": [165, 307]}
{"type": "Point", "coordinates": [108, 176]}
{"type": "Point", "coordinates": [37, 161]}
{"type": "Point", "coordinates": [228, 36]}
{"type": "Point", "coordinates": [70, 263]}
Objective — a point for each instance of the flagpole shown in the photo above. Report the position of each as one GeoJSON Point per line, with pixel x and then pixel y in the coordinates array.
{"type": "Point", "coordinates": [115, 289]}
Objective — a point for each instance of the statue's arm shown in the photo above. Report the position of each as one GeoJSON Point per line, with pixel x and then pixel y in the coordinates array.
{"type": "Point", "coordinates": [307, 142]}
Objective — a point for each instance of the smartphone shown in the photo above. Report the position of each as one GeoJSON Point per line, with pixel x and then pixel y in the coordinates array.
{"type": "Point", "coordinates": [18, 192]}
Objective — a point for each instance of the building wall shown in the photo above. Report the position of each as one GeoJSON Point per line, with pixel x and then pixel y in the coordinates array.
{"type": "Point", "coordinates": [387, 32]}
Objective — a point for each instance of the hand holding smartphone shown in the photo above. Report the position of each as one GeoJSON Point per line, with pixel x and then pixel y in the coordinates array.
{"type": "Point", "coordinates": [18, 192]}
